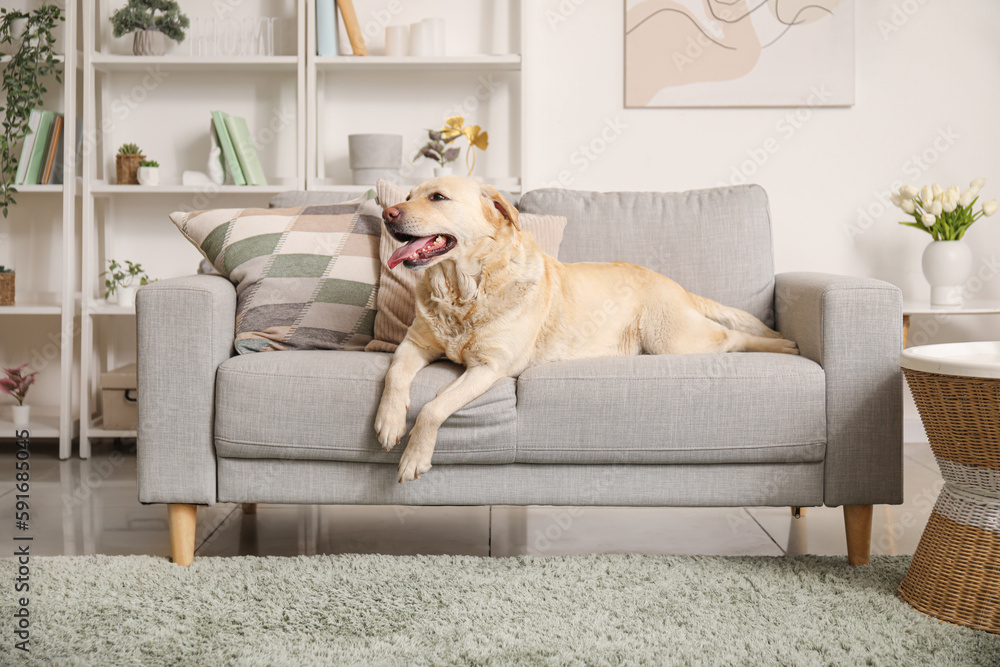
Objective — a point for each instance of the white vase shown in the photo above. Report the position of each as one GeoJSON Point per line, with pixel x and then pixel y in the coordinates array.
{"type": "Point", "coordinates": [443, 171]}
{"type": "Point", "coordinates": [947, 265]}
{"type": "Point", "coordinates": [22, 415]}
{"type": "Point", "coordinates": [148, 175]}
{"type": "Point", "coordinates": [125, 296]}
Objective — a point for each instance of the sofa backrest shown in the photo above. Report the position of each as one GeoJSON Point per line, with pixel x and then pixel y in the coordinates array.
{"type": "Point", "coordinates": [715, 242]}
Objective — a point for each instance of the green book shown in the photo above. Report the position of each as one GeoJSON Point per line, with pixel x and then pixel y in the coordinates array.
{"type": "Point", "coordinates": [33, 176]}
{"type": "Point", "coordinates": [239, 133]}
{"type": "Point", "coordinates": [29, 142]}
{"type": "Point", "coordinates": [228, 152]}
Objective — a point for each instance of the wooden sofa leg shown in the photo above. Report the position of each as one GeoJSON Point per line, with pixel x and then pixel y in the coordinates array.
{"type": "Point", "coordinates": [183, 520]}
{"type": "Point", "coordinates": [249, 508]}
{"type": "Point", "coordinates": [858, 522]}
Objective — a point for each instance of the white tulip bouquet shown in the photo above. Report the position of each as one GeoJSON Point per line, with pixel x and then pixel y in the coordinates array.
{"type": "Point", "coordinates": [945, 214]}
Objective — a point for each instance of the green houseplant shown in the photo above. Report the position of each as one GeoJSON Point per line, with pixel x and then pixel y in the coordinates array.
{"type": "Point", "coordinates": [127, 164]}
{"type": "Point", "coordinates": [23, 83]}
{"type": "Point", "coordinates": [151, 21]}
{"type": "Point", "coordinates": [149, 172]}
{"type": "Point", "coordinates": [121, 281]}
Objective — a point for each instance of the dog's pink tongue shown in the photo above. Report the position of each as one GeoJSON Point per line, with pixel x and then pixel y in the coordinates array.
{"type": "Point", "coordinates": [410, 251]}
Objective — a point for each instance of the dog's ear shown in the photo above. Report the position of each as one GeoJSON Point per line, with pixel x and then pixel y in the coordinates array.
{"type": "Point", "coordinates": [494, 202]}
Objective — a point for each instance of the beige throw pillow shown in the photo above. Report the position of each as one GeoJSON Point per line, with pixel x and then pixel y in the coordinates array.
{"type": "Point", "coordinates": [395, 299]}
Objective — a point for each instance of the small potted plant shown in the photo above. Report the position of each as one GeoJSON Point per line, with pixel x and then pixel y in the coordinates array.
{"type": "Point", "coordinates": [121, 281]}
{"type": "Point", "coordinates": [127, 164]}
{"type": "Point", "coordinates": [437, 149]}
{"type": "Point", "coordinates": [16, 384]}
{"type": "Point", "coordinates": [7, 277]}
{"type": "Point", "coordinates": [149, 172]}
{"type": "Point", "coordinates": [151, 28]}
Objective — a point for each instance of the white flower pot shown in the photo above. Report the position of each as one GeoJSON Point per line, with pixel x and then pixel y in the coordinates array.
{"type": "Point", "coordinates": [22, 416]}
{"type": "Point", "coordinates": [947, 265]}
{"type": "Point", "coordinates": [443, 171]}
{"type": "Point", "coordinates": [148, 175]}
{"type": "Point", "coordinates": [125, 296]}
{"type": "Point", "coordinates": [17, 28]}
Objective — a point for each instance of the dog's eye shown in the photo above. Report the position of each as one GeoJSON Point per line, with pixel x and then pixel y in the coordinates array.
{"type": "Point", "coordinates": [437, 196]}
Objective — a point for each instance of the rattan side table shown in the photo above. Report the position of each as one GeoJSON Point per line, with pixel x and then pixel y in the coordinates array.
{"type": "Point", "coordinates": [955, 572]}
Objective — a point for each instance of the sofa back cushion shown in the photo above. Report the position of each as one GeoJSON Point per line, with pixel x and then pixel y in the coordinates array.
{"type": "Point", "coordinates": [716, 242]}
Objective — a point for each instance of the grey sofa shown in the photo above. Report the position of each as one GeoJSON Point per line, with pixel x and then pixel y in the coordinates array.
{"type": "Point", "coordinates": [823, 428]}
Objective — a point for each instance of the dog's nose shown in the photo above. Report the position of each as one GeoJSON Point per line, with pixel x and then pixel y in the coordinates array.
{"type": "Point", "coordinates": [391, 214]}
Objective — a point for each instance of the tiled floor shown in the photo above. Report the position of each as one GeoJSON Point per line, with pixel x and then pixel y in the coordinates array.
{"type": "Point", "coordinates": [90, 507]}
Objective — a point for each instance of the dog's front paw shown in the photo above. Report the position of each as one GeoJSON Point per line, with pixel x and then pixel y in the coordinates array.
{"type": "Point", "coordinates": [789, 346]}
{"type": "Point", "coordinates": [413, 464]}
{"type": "Point", "coordinates": [390, 424]}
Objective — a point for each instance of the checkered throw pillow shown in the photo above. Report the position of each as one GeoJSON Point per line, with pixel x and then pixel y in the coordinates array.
{"type": "Point", "coordinates": [306, 277]}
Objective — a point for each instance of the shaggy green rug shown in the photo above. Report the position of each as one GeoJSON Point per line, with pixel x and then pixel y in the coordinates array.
{"type": "Point", "coordinates": [442, 610]}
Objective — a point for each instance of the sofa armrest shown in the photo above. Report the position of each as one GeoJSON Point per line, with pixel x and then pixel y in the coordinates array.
{"type": "Point", "coordinates": [186, 328]}
{"type": "Point", "coordinates": [853, 328]}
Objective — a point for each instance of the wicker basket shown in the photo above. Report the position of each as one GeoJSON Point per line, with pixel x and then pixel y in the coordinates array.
{"type": "Point", "coordinates": [7, 289]}
{"type": "Point", "coordinates": [955, 572]}
{"type": "Point", "coordinates": [127, 169]}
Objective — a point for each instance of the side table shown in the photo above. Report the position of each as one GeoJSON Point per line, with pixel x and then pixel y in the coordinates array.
{"type": "Point", "coordinates": [924, 308]}
{"type": "Point", "coordinates": [955, 572]}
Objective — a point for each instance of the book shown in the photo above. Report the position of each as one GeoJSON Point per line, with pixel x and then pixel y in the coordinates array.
{"type": "Point", "coordinates": [326, 28]}
{"type": "Point", "coordinates": [29, 141]}
{"type": "Point", "coordinates": [58, 168]}
{"type": "Point", "coordinates": [239, 133]}
{"type": "Point", "coordinates": [353, 28]}
{"type": "Point", "coordinates": [33, 175]}
{"type": "Point", "coordinates": [228, 151]}
{"type": "Point", "coordinates": [53, 149]}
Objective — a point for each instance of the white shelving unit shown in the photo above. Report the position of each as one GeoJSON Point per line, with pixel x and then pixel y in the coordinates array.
{"type": "Point", "coordinates": [134, 217]}
{"type": "Point", "coordinates": [58, 311]}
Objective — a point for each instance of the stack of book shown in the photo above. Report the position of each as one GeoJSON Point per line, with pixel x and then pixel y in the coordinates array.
{"type": "Point", "coordinates": [41, 161]}
{"type": "Point", "coordinates": [239, 156]}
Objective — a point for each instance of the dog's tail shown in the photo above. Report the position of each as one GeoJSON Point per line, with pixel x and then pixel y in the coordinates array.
{"type": "Point", "coordinates": [732, 318]}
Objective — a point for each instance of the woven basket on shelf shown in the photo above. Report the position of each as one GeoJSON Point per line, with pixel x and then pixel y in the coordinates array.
{"type": "Point", "coordinates": [955, 572]}
{"type": "Point", "coordinates": [7, 289]}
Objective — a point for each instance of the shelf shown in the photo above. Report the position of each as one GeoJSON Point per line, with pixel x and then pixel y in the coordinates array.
{"type": "Point", "coordinates": [110, 308]}
{"type": "Point", "coordinates": [97, 430]}
{"type": "Point", "coordinates": [44, 422]}
{"type": "Point", "coordinates": [510, 62]}
{"type": "Point", "coordinates": [105, 62]}
{"type": "Point", "coordinates": [102, 188]}
{"type": "Point", "coordinates": [27, 189]}
{"type": "Point", "coordinates": [31, 309]}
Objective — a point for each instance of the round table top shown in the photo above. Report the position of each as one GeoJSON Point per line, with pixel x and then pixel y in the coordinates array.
{"type": "Point", "coordinates": [978, 359]}
{"type": "Point", "coordinates": [975, 307]}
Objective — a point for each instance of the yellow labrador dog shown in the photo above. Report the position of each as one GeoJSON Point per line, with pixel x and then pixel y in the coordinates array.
{"type": "Point", "coordinates": [491, 300]}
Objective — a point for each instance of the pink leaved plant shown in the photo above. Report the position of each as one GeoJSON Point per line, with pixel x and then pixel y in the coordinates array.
{"type": "Point", "coordinates": [17, 382]}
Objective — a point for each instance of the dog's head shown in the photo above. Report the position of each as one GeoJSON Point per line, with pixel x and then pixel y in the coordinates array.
{"type": "Point", "coordinates": [446, 216]}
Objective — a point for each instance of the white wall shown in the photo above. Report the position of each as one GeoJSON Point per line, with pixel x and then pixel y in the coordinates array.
{"type": "Point", "coordinates": [926, 70]}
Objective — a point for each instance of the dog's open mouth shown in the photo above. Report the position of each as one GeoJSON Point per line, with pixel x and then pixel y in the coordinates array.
{"type": "Point", "coordinates": [419, 250]}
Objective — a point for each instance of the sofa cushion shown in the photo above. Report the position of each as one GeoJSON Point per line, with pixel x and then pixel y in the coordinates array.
{"type": "Point", "coordinates": [306, 277]}
{"type": "Point", "coordinates": [688, 409]}
{"type": "Point", "coordinates": [321, 406]}
{"type": "Point", "coordinates": [716, 242]}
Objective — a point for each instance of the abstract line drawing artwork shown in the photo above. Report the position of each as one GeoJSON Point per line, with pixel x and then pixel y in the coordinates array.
{"type": "Point", "coordinates": [739, 53]}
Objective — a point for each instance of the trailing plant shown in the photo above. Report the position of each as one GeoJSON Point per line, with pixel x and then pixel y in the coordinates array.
{"type": "Point", "coordinates": [142, 15]}
{"type": "Point", "coordinates": [123, 276]}
{"type": "Point", "coordinates": [149, 163]}
{"type": "Point", "coordinates": [129, 149]}
{"type": "Point", "coordinates": [17, 382]}
{"type": "Point", "coordinates": [23, 76]}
